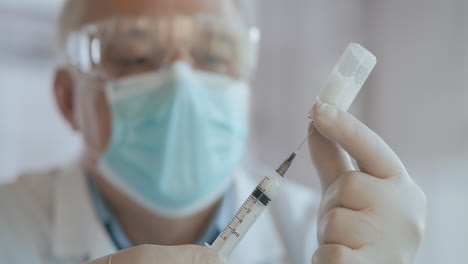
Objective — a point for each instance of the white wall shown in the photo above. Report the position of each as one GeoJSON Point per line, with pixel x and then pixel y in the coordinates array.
{"type": "Point", "coordinates": [301, 42]}
{"type": "Point", "coordinates": [32, 133]}
{"type": "Point", "coordinates": [419, 105]}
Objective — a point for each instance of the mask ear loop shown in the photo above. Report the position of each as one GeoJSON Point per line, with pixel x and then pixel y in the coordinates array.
{"type": "Point", "coordinates": [91, 154]}
{"type": "Point", "coordinates": [91, 157]}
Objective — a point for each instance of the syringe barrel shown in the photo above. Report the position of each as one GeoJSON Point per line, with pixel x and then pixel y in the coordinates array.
{"type": "Point", "coordinates": [246, 216]}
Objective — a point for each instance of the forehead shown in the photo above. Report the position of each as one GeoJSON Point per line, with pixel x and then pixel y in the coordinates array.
{"type": "Point", "coordinates": [95, 10]}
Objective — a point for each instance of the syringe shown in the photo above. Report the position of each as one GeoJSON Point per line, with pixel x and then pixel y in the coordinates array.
{"type": "Point", "coordinates": [244, 218]}
{"type": "Point", "coordinates": [343, 84]}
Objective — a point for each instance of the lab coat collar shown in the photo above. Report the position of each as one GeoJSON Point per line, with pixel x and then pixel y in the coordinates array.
{"type": "Point", "coordinates": [78, 234]}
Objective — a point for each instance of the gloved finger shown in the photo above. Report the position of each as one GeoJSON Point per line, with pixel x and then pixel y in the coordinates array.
{"type": "Point", "coordinates": [354, 190]}
{"type": "Point", "coordinates": [371, 153]}
{"type": "Point", "coordinates": [335, 254]}
{"type": "Point", "coordinates": [329, 159]}
{"type": "Point", "coordinates": [104, 260]}
{"type": "Point", "coordinates": [353, 229]}
{"type": "Point", "coordinates": [187, 254]}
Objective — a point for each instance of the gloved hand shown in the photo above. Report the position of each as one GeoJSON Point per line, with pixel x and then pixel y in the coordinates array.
{"type": "Point", "coordinates": [145, 254]}
{"type": "Point", "coordinates": [372, 215]}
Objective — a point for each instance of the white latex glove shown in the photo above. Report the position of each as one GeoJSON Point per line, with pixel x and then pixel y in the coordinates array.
{"type": "Point", "coordinates": [145, 254]}
{"type": "Point", "coordinates": [374, 215]}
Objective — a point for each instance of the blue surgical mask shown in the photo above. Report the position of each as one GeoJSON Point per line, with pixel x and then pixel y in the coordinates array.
{"type": "Point", "coordinates": [178, 137]}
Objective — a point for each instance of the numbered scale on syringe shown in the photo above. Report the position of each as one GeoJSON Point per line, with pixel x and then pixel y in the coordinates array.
{"type": "Point", "coordinates": [246, 215]}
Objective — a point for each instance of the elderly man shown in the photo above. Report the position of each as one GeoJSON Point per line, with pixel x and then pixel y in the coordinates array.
{"type": "Point", "coordinates": [159, 91]}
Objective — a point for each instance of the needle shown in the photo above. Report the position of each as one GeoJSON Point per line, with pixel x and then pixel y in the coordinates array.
{"type": "Point", "coordinates": [285, 165]}
{"type": "Point", "coordinates": [305, 139]}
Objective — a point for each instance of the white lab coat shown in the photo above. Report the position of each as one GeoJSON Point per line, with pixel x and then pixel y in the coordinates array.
{"type": "Point", "coordinates": [49, 218]}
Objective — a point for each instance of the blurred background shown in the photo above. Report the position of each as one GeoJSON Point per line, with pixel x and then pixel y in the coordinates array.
{"type": "Point", "coordinates": [416, 99]}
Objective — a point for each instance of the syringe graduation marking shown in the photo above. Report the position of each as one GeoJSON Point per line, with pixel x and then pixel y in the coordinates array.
{"type": "Point", "coordinates": [257, 193]}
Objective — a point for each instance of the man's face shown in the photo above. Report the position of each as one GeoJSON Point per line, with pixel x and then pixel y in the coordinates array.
{"type": "Point", "coordinates": [86, 103]}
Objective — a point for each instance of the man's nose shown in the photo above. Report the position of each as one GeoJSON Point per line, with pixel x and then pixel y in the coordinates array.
{"type": "Point", "coordinates": [178, 54]}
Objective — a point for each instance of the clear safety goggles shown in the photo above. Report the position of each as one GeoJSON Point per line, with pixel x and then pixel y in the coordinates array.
{"type": "Point", "coordinates": [123, 46]}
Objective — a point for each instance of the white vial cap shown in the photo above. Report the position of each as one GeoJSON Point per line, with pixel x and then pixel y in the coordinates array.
{"type": "Point", "coordinates": [348, 76]}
